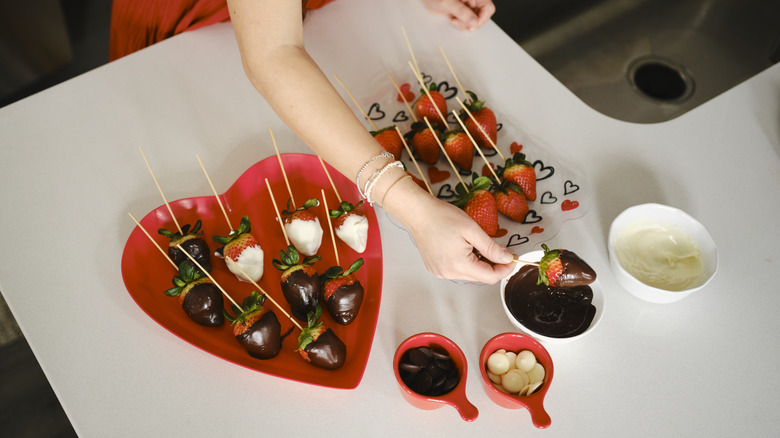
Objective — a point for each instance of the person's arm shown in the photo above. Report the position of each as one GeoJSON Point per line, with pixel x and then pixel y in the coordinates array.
{"type": "Point", "coordinates": [463, 14]}
{"type": "Point", "coordinates": [270, 39]}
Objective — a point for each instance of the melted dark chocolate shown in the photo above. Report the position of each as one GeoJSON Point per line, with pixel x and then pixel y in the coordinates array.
{"type": "Point", "coordinates": [302, 293]}
{"type": "Point", "coordinates": [554, 312]}
{"type": "Point", "coordinates": [344, 304]}
{"type": "Point", "coordinates": [197, 248]}
{"type": "Point", "coordinates": [327, 351]}
{"type": "Point", "coordinates": [204, 305]}
{"type": "Point", "coordinates": [263, 339]}
{"type": "Point", "coordinates": [575, 271]}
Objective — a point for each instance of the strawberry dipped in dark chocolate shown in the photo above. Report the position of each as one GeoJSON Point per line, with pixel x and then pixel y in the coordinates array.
{"type": "Point", "coordinates": [190, 240]}
{"type": "Point", "coordinates": [200, 299]}
{"type": "Point", "coordinates": [342, 292]}
{"type": "Point", "coordinates": [256, 328]}
{"type": "Point", "coordinates": [300, 282]}
{"type": "Point", "coordinates": [563, 268]}
{"type": "Point", "coordinates": [320, 346]}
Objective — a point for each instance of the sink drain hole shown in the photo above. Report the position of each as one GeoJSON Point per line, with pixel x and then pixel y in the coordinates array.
{"type": "Point", "coordinates": [661, 81]}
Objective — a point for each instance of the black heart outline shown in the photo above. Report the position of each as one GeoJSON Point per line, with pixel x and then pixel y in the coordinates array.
{"type": "Point", "coordinates": [448, 92]}
{"type": "Point", "coordinates": [531, 217]}
{"type": "Point", "coordinates": [516, 239]}
{"type": "Point", "coordinates": [445, 195]}
{"type": "Point", "coordinates": [548, 198]}
{"type": "Point", "coordinates": [400, 116]}
{"type": "Point", "coordinates": [542, 169]}
{"type": "Point", "coordinates": [426, 78]}
{"type": "Point", "coordinates": [375, 106]}
{"type": "Point", "coordinates": [489, 152]}
{"type": "Point", "coordinates": [569, 187]}
{"type": "Point", "coordinates": [499, 126]}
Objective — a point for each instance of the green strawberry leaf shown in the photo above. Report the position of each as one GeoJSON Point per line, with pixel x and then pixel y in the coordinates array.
{"type": "Point", "coordinates": [173, 292]}
{"type": "Point", "coordinates": [354, 267]}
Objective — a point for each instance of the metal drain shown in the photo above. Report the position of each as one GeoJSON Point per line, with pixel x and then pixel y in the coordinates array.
{"type": "Point", "coordinates": [660, 80]}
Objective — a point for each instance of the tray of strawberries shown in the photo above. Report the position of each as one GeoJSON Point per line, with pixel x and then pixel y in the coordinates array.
{"type": "Point", "coordinates": [287, 327]}
{"type": "Point", "coordinates": [510, 177]}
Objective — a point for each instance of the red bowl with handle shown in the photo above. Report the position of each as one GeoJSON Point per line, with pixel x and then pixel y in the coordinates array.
{"type": "Point", "coordinates": [534, 402]}
{"type": "Point", "coordinates": [455, 398]}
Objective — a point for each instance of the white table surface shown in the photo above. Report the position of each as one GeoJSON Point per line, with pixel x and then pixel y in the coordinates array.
{"type": "Point", "coordinates": [70, 172]}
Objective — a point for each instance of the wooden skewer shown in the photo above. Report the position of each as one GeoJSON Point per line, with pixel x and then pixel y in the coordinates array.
{"type": "Point", "coordinates": [398, 89]}
{"type": "Point", "coordinates": [266, 294]}
{"type": "Point", "coordinates": [481, 129]}
{"type": "Point", "coordinates": [160, 190]}
{"type": "Point", "coordinates": [414, 161]}
{"type": "Point", "coordinates": [276, 209]}
{"type": "Point", "coordinates": [357, 104]}
{"type": "Point", "coordinates": [411, 52]}
{"type": "Point", "coordinates": [210, 277]}
{"type": "Point", "coordinates": [219, 201]}
{"type": "Point", "coordinates": [153, 241]}
{"type": "Point", "coordinates": [330, 225]}
{"type": "Point", "coordinates": [428, 94]}
{"type": "Point", "coordinates": [454, 76]}
{"type": "Point", "coordinates": [284, 174]}
{"type": "Point", "coordinates": [476, 146]}
{"type": "Point", "coordinates": [441, 146]}
{"type": "Point", "coordinates": [517, 259]}
{"type": "Point", "coordinates": [335, 190]}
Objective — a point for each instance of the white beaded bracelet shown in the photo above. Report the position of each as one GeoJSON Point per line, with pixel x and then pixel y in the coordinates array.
{"type": "Point", "coordinates": [371, 183]}
{"type": "Point", "coordinates": [360, 172]}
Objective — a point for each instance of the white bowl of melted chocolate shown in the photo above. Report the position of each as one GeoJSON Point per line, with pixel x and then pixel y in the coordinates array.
{"type": "Point", "coordinates": [553, 295]}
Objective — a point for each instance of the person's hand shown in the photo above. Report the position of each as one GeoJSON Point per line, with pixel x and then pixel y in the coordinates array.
{"type": "Point", "coordinates": [446, 238]}
{"type": "Point", "coordinates": [463, 14]}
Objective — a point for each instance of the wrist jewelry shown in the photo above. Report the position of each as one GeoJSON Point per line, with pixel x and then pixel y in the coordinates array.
{"type": "Point", "coordinates": [360, 172]}
{"type": "Point", "coordinates": [371, 183]}
{"type": "Point", "coordinates": [382, 203]}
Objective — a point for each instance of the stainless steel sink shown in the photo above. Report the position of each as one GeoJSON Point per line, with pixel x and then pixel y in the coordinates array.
{"type": "Point", "coordinates": [646, 61]}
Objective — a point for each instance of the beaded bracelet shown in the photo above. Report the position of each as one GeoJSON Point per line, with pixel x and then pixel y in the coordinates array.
{"type": "Point", "coordinates": [371, 183]}
{"type": "Point", "coordinates": [360, 172]}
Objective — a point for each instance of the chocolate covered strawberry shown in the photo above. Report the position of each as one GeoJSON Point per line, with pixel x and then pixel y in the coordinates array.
{"type": "Point", "coordinates": [486, 119]}
{"type": "Point", "coordinates": [426, 106]}
{"type": "Point", "coordinates": [351, 225]}
{"type": "Point", "coordinates": [320, 346]}
{"type": "Point", "coordinates": [510, 201]}
{"type": "Point", "coordinates": [521, 172]}
{"type": "Point", "coordinates": [303, 227]}
{"type": "Point", "coordinates": [242, 247]}
{"type": "Point", "coordinates": [342, 292]}
{"type": "Point", "coordinates": [300, 282]}
{"type": "Point", "coordinates": [191, 242]}
{"type": "Point", "coordinates": [424, 141]}
{"type": "Point", "coordinates": [477, 201]}
{"type": "Point", "coordinates": [256, 328]}
{"type": "Point", "coordinates": [459, 148]}
{"type": "Point", "coordinates": [563, 268]}
{"type": "Point", "coordinates": [200, 299]}
{"type": "Point", "coordinates": [390, 140]}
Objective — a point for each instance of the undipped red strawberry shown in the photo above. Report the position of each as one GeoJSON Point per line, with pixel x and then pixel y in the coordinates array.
{"type": "Point", "coordinates": [425, 143]}
{"type": "Point", "coordinates": [521, 172]}
{"type": "Point", "coordinates": [477, 201]}
{"type": "Point", "coordinates": [427, 107]}
{"type": "Point", "coordinates": [459, 148]}
{"type": "Point", "coordinates": [390, 140]}
{"type": "Point", "coordinates": [486, 119]}
{"type": "Point", "coordinates": [511, 202]}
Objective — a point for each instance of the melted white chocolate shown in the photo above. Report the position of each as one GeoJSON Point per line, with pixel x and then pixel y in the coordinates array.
{"type": "Point", "coordinates": [662, 256]}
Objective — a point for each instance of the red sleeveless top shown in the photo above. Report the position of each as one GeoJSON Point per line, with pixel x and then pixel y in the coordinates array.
{"type": "Point", "coordinates": [136, 24]}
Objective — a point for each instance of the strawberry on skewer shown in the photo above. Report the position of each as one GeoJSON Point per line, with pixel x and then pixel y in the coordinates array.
{"type": "Point", "coordinates": [256, 328]}
{"type": "Point", "coordinates": [521, 172]}
{"type": "Point", "coordinates": [303, 227]}
{"type": "Point", "coordinates": [424, 140]}
{"type": "Point", "coordinates": [342, 292]}
{"type": "Point", "coordinates": [200, 299]}
{"type": "Point", "coordinates": [300, 282]}
{"type": "Point", "coordinates": [485, 118]}
{"type": "Point", "coordinates": [510, 201]}
{"type": "Point", "coordinates": [241, 247]}
{"type": "Point", "coordinates": [191, 241]}
{"type": "Point", "coordinates": [431, 104]}
{"type": "Point", "coordinates": [319, 345]}
{"type": "Point", "coordinates": [477, 201]}
{"type": "Point", "coordinates": [351, 225]}
{"type": "Point", "coordinates": [563, 268]}
{"type": "Point", "coordinates": [389, 139]}
{"type": "Point", "coordinates": [459, 148]}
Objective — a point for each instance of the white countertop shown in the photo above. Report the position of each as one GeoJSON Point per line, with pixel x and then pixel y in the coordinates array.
{"type": "Point", "coordinates": [70, 172]}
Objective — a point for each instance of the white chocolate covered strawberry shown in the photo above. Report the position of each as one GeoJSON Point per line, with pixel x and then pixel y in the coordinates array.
{"type": "Point", "coordinates": [242, 247]}
{"type": "Point", "coordinates": [351, 225]}
{"type": "Point", "coordinates": [303, 227]}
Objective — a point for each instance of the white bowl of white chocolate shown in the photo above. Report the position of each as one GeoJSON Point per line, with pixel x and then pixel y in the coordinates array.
{"type": "Point", "coordinates": [661, 254]}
